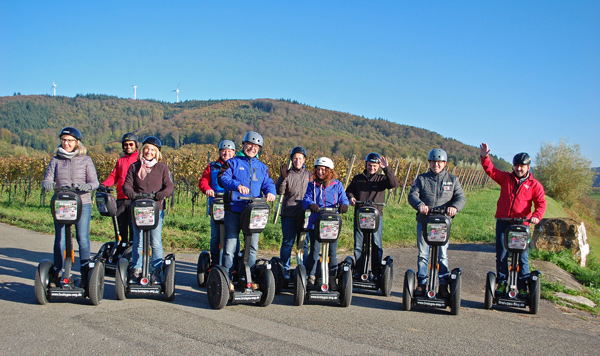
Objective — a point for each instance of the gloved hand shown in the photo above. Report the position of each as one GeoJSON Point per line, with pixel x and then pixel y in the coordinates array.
{"type": "Point", "coordinates": [85, 187]}
{"type": "Point", "coordinates": [314, 208]}
{"type": "Point", "coordinates": [48, 186]}
{"type": "Point", "coordinates": [284, 171]}
{"type": "Point", "coordinates": [343, 209]}
{"type": "Point", "coordinates": [159, 196]}
{"type": "Point", "coordinates": [102, 188]}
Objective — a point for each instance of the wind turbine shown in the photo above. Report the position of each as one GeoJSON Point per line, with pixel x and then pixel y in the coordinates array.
{"type": "Point", "coordinates": [177, 91]}
{"type": "Point", "coordinates": [134, 92]}
{"type": "Point", "coordinates": [53, 88]}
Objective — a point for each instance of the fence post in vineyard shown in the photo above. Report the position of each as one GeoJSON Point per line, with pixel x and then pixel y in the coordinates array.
{"type": "Point", "coordinates": [393, 192]}
{"type": "Point", "coordinates": [173, 195]}
{"type": "Point", "coordinates": [42, 191]}
{"type": "Point", "coordinates": [406, 180]}
{"type": "Point", "coordinates": [349, 173]}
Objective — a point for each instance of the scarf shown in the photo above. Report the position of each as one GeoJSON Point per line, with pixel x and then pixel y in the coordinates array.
{"type": "Point", "coordinates": [67, 155]}
{"type": "Point", "coordinates": [146, 167]}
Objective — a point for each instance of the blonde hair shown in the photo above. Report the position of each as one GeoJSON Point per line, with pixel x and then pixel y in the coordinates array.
{"type": "Point", "coordinates": [158, 154]}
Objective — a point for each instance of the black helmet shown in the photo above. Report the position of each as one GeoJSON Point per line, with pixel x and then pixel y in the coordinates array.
{"type": "Point", "coordinates": [298, 150]}
{"type": "Point", "coordinates": [71, 131]}
{"type": "Point", "coordinates": [254, 137]}
{"type": "Point", "coordinates": [130, 136]}
{"type": "Point", "coordinates": [153, 141]}
{"type": "Point", "coordinates": [373, 157]}
{"type": "Point", "coordinates": [521, 158]}
{"type": "Point", "coordinates": [437, 154]}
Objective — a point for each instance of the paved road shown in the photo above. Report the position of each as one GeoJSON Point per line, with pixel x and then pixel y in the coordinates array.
{"type": "Point", "coordinates": [188, 326]}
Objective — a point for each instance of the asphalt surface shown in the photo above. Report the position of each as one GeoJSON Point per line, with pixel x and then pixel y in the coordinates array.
{"type": "Point", "coordinates": [373, 324]}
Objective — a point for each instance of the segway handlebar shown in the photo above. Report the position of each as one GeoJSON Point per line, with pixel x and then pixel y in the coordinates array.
{"type": "Point", "coordinates": [254, 199]}
{"type": "Point", "coordinates": [518, 221]}
{"type": "Point", "coordinates": [368, 203]}
{"type": "Point", "coordinates": [144, 196]}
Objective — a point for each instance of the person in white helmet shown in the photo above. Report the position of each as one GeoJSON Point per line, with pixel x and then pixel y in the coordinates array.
{"type": "Point", "coordinates": [325, 191]}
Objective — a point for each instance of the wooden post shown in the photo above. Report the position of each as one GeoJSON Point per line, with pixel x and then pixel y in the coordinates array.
{"type": "Point", "coordinates": [349, 171]}
{"type": "Point", "coordinates": [393, 191]}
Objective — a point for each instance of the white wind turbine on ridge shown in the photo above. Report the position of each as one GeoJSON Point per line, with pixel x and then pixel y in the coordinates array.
{"type": "Point", "coordinates": [53, 87]}
{"type": "Point", "coordinates": [177, 91]}
{"type": "Point", "coordinates": [134, 92]}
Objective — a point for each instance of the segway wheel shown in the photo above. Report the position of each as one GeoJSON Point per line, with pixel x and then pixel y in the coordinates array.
{"type": "Point", "coordinates": [490, 288]}
{"type": "Point", "coordinates": [267, 287]}
{"type": "Point", "coordinates": [202, 268]}
{"type": "Point", "coordinates": [217, 289]}
{"type": "Point", "coordinates": [277, 268]}
{"type": "Point", "coordinates": [41, 286]}
{"type": "Point", "coordinates": [408, 289]}
{"type": "Point", "coordinates": [300, 291]}
{"type": "Point", "coordinates": [534, 296]}
{"type": "Point", "coordinates": [346, 288]}
{"type": "Point", "coordinates": [455, 296]}
{"type": "Point", "coordinates": [170, 281]}
{"type": "Point", "coordinates": [386, 281]}
{"type": "Point", "coordinates": [96, 284]}
{"type": "Point", "coordinates": [121, 279]}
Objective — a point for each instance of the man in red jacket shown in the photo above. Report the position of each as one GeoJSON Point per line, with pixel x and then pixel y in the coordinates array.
{"type": "Point", "coordinates": [518, 191]}
{"type": "Point", "coordinates": [130, 155]}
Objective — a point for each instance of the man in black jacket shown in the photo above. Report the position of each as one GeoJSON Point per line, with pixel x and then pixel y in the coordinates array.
{"type": "Point", "coordinates": [371, 186]}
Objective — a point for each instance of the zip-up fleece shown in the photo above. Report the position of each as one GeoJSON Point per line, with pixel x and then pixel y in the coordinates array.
{"type": "Point", "coordinates": [293, 188]}
{"type": "Point", "coordinates": [324, 197]}
{"type": "Point", "coordinates": [516, 195]}
{"type": "Point", "coordinates": [436, 190]}
{"type": "Point", "coordinates": [73, 172]}
{"type": "Point", "coordinates": [120, 172]}
{"type": "Point", "coordinates": [365, 188]}
{"type": "Point", "coordinates": [249, 172]}
{"type": "Point", "coordinates": [158, 180]}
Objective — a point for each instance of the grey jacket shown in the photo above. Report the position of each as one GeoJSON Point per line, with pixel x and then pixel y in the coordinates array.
{"type": "Point", "coordinates": [293, 188]}
{"type": "Point", "coordinates": [436, 190]}
{"type": "Point", "coordinates": [73, 172]}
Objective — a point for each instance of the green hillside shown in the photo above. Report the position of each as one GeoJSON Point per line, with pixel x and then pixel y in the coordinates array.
{"type": "Point", "coordinates": [33, 121]}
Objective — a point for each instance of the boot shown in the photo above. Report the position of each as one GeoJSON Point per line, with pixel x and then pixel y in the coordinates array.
{"type": "Point", "coordinates": [83, 282]}
{"type": "Point", "coordinates": [333, 279]}
{"type": "Point", "coordinates": [443, 291]}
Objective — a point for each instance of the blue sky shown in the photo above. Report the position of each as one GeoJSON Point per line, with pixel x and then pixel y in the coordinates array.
{"type": "Point", "coordinates": [514, 74]}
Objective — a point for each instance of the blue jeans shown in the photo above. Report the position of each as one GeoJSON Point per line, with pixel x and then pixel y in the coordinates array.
{"type": "Point", "coordinates": [155, 244]}
{"type": "Point", "coordinates": [289, 230]}
{"type": "Point", "coordinates": [215, 240]}
{"type": "Point", "coordinates": [313, 256]}
{"type": "Point", "coordinates": [423, 260]}
{"type": "Point", "coordinates": [502, 259]}
{"type": "Point", "coordinates": [232, 241]}
{"type": "Point", "coordinates": [376, 248]}
{"type": "Point", "coordinates": [82, 235]}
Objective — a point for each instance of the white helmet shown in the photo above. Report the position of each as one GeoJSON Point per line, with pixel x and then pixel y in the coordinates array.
{"type": "Point", "coordinates": [325, 162]}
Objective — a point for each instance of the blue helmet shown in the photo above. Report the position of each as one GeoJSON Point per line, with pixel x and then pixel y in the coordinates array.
{"type": "Point", "coordinates": [298, 150]}
{"type": "Point", "coordinates": [373, 157]}
{"type": "Point", "coordinates": [71, 131]}
{"type": "Point", "coordinates": [153, 141]}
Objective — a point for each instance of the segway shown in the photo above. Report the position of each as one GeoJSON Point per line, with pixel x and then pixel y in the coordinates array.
{"type": "Point", "coordinates": [436, 232]}
{"type": "Point", "coordinates": [368, 223]}
{"type": "Point", "coordinates": [66, 209]}
{"type": "Point", "coordinates": [327, 230]}
{"type": "Point", "coordinates": [217, 214]}
{"type": "Point", "coordinates": [111, 251]}
{"type": "Point", "coordinates": [145, 215]}
{"type": "Point", "coordinates": [277, 264]}
{"type": "Point", "coordinates": [254, 219]}
{"type": "Point", "coordinates": [516, 241]}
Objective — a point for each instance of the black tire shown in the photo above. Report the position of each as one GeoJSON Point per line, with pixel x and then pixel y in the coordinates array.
{"type": "Point", "coordinates": [386, 281]}
{"type": "Point", "coordinates": [300, 291]}
{"type": "Point", "coordinates": [408, 289]}
{"type": "Point", "coordinates": [217, 289]}
{"type": "Point", "coordinates": [267, 287]}
{"type": "Point", "coordinates": [490, 288]}
{"type": "Point", "coordinates": [534, 296]}
{"type": "Point", "coordinates": [278, 274]}
{"type": "Point", "coordinates": [170, 281]}
{"type": "Point", "coordinates": [96, 284]}
{"type": "Point", "coordinates": [346, 288]}
{"type": "Point", "coordinates": [202, 268]}
{"type": "Point", "coordinates": [41, 287]}
{"type": "Point", "coordinates": [455, 298]}
{"type": "Point", "coordinates": [121, 279]}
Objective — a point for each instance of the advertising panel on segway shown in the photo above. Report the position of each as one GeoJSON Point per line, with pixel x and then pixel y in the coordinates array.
{"type": "Point", "coordinates": [436, 233]}
{"type": "Point", "coordinates": [66, 209]}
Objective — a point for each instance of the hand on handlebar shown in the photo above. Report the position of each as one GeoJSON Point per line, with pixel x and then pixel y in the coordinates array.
{"type": "Point", "coordinates": [353, 201]}
{"type": "Point", "coordinates": [451, 211]}
{"type": "Point", "coordinates": [534, 220]}
{"type": "Point", "coordinates": [423, 209]}
{"type": "Point", "coordinates": [343, 209]}
{"type": "Point", "coordinates": [210, 193]}
{"type": "Point", "coordinates": [243, 190]}
{"type": "Point", "coordinates": [48, 186]}
{"type": "Point", "coordinates": [314, 208]}
{"type": "Point", "coordinates": [85, 187]}
{"type": "Point", "coordinates": [270, 197]}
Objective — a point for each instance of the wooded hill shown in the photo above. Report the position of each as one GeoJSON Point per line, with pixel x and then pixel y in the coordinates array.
{"type": "Point", "coordinates": [35, 120]}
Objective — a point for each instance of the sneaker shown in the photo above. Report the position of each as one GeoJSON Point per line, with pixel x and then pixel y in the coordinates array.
{"type": "Point", "coordinates": [500, 288]}
{"type": "Point", "coordinates": [156, 277]}
{"type": "Point", "coordinates": [135, 276]}
{"type": "Point", "coordinates": [443, 291]}
{"type": "Point", "coordinates": [54, 280]}
{"type": "Point", "coordinates": [311, 282]}
{"type": "Point", "coordinates": [420, 290]}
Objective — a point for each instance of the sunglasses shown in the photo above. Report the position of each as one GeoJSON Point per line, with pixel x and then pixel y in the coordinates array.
{"type": "Point", "coordinates": [128, 144]}
{"type": "Point", "coordinates": [68, 140]}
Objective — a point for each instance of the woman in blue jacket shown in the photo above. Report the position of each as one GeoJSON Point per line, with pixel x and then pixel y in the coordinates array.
{"type": "Point", "coordinates": [324, 192]}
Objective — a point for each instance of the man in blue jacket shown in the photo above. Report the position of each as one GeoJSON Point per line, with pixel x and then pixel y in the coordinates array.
{"type": "Point", "coordinates": [243, 175]}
